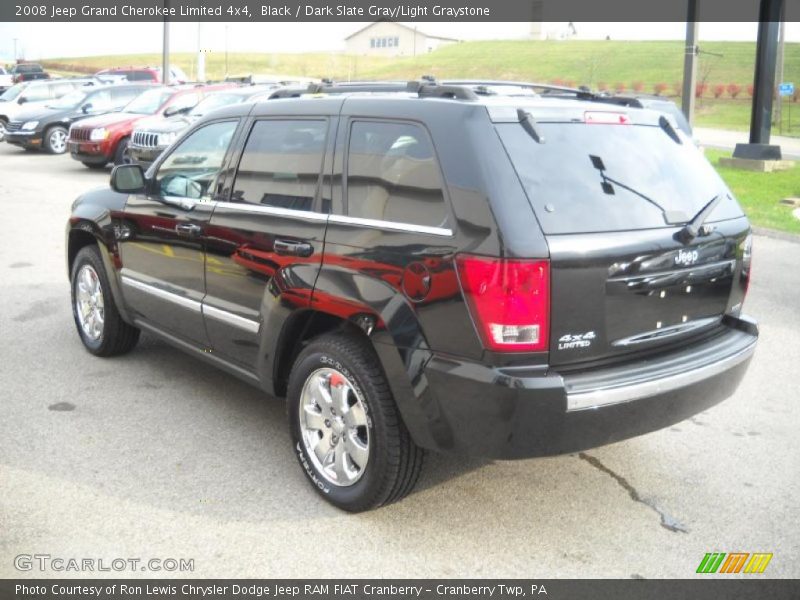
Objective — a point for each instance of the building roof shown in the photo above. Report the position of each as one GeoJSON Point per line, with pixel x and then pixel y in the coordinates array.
{"type": "Point", "coordinates": [437, 37]}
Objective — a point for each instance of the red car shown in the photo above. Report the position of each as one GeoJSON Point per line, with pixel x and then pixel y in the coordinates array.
{"type": "Point", "coordinates": [99, 140]}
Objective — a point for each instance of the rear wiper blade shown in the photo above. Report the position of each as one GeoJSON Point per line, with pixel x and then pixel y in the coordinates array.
{"type": "Point", "coordinates": [695, 226]}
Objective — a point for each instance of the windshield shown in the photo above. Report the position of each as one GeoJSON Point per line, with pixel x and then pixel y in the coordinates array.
{"type": "Point", "coordinates": [12, 93]}
{"type": "Point", "coordinates": [148, 102]}
{"type": "Point", "coordinates": [215, 101]}
{"type": "Point", "coordinates": [70, 100]}
{"type": "Point", "coordinates": [590, 178]}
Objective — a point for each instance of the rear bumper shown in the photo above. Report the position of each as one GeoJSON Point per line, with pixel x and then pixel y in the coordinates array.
{"type": "Point", "coordinates": [521, 412]}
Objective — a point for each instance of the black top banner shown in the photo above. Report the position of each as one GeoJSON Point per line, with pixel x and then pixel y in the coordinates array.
{"type": "Point", "coordinates": [394, 10]}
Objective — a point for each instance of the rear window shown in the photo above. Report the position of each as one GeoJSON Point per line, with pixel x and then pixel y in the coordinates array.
{"type": "Point", "coordinates": [393, 175]}
{"type": "Point", "coordinates": [593, 178]}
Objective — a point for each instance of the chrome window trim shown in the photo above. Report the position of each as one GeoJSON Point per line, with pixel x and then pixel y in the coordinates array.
{"type": "Point", "coordinates": [273, 210]}
{"type": "Point", "coordinates": [230, 318]}
{"type": "Point", "coordinates": [340, 219]}
{"type": "Point", "coordinates": [147, 288]}
{"type": "Point", "coordinates": [645, 389]}
{"type": "Point", "coordinates": [392, 225]}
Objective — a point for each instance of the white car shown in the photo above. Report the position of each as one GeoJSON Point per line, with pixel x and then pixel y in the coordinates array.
{"type": "Point", "coordinates": [6, 80]}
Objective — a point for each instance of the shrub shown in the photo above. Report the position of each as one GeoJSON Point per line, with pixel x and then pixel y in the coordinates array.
{"type": "Point", "coordinates": [619, 87]}
{"type": "Point", "coordinates": [734, 89]}
{"type": "Point", "coordinates": [602, 86]}
{"type": "Point", "coordinates": [570, 83]}
{"type": "Point", "coordinates": [718, 90]}
{"type": "Point", "coordinates": [796, 95]}
{"type": "Point", "coordinates": [638, 86]}
{"type": "Point", "coordinates": [750, 90]}
{"type": "Point", "coordinates": [700, 89]}
{"type": "Point", "coordinates": [660, 88]}
{"type": "Point", "coordinates": [557, 81]}
{"type": "Point", "coordinates": [678, 88]}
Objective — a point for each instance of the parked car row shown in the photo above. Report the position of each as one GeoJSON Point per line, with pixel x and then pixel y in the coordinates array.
{"type": "Point", "coordinates": [95, 122]}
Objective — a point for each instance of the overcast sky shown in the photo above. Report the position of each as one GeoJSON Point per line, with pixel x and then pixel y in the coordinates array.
{"type": "Point", "coordinates": [44, 40]}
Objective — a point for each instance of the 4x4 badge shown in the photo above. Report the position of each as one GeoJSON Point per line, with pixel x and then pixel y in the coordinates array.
{"type": "Point", "coordinates": [576, 340]}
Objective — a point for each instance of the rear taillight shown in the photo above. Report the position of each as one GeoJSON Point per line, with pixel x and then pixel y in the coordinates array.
{"type": "Point", "coordinates": [509, 300]}
{"type": "Point", "coordinates": [747, 263]}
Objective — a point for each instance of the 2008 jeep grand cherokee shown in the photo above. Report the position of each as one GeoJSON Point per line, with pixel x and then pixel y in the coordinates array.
{"type": "Point", "coordinates": [505, 270]}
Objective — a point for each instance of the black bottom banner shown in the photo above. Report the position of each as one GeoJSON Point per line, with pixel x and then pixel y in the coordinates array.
{"type": "Point", "coordinates": [377, 589]}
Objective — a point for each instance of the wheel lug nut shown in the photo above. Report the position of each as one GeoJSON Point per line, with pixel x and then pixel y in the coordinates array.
{"type": "Point", "coordinates": [327, 423]}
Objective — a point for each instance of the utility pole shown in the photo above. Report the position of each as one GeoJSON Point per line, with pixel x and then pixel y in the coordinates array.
{"type": "Point", "coordinates": [201, 56]}
{"type": "Point", "coordinates": [690, 62]}
{"type": "Point", "coordinates": [15, 50]}
{"type": "Point", "coordinates": [165, 76]}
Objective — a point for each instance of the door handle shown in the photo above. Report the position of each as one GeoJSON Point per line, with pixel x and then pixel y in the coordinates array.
{"type": "Point", "coordinates": [188, 229]}
{"type": "Point", "coordinates": [286, 248]}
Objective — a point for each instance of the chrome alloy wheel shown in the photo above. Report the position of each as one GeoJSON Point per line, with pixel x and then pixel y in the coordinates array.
{"type": "Point", "coordinates": [89, 304]}
{"type": "Point", "coordinates": [333, 426]}
{"type": "Point", "coordinates": [58, 141]}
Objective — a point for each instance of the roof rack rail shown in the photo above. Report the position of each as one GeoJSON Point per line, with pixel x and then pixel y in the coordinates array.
{"type": "Point", "coordinates": [425, 87]}
{"type": "Point", "coordinates": [338, 88]}
{"type": "Point", "coordinates": [582, 92]}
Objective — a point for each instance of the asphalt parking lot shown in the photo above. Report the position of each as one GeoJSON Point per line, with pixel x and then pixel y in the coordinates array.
{"type": "Point", "coordinates": [155, 455]}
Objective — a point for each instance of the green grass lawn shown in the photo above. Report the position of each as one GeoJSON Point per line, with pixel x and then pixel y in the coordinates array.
{"type": "Point", "coordinates": [760, 193]}
{"type": "Point", "coordinates": [575, 62]}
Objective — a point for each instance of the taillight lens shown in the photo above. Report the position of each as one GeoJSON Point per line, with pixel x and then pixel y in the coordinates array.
{"type": "Point", "coordinates": [509, 300]}
{"type": "Point", "coordinates": [747, 262]}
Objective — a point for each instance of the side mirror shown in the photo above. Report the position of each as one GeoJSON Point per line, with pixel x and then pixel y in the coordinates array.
{"type": "Point", "coordinates": [127, 179]}
{"type": "Point", "coordinates": [22, 100]}
{"type": "Point", "coordinates": [86, 108]}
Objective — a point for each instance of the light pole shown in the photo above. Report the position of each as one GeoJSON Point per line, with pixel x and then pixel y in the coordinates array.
{"type": "Point", "coordinates": [226, 50]}
{"type": "Point", "coordinates": [15, 49]}
{"type": "Point", "coordinates": [165, 50]}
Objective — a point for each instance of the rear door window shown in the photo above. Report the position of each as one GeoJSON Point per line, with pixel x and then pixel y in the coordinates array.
{"type": "Point", "coordinates": [393, 175]}
{"type": "Point", "coordinates": [281, 164]}
{"type": "Point", "coordinates": [593, 178]}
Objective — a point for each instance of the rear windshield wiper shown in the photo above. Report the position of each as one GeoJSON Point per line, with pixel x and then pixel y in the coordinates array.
{"type": "Point", "coordinates": [671, 217]}
{"type": "Point", "coordinates": [695, 226]}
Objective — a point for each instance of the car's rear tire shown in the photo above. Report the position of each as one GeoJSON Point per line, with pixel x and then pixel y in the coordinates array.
{"type": "Point", "coordinates": [122, 156]}
{"type": "Point", "coordinates": [95, 166]}
{"type": "Point", "coordinates": [99, 324]}
{"type": "Point", "coordinates": [347, 432]}
{"type": "Point", "coordinates": [55, 139]}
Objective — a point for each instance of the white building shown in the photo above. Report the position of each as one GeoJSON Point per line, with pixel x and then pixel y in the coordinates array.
{"type": "Point", "coordinates": [387, 38]}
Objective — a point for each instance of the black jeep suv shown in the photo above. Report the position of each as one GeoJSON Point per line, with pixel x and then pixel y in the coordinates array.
{"type": "Point", "coordinates": [429, 266]}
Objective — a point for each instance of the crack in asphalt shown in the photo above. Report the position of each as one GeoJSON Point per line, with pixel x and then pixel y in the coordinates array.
{"type": "Point", "coordinates": [667, 522]}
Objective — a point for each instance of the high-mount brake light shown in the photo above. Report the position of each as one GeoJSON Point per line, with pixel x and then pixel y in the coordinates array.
{"type": "Point", "coordinates": [598, 117]}
{"type": "Point", "coordinates": [509, 300]}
